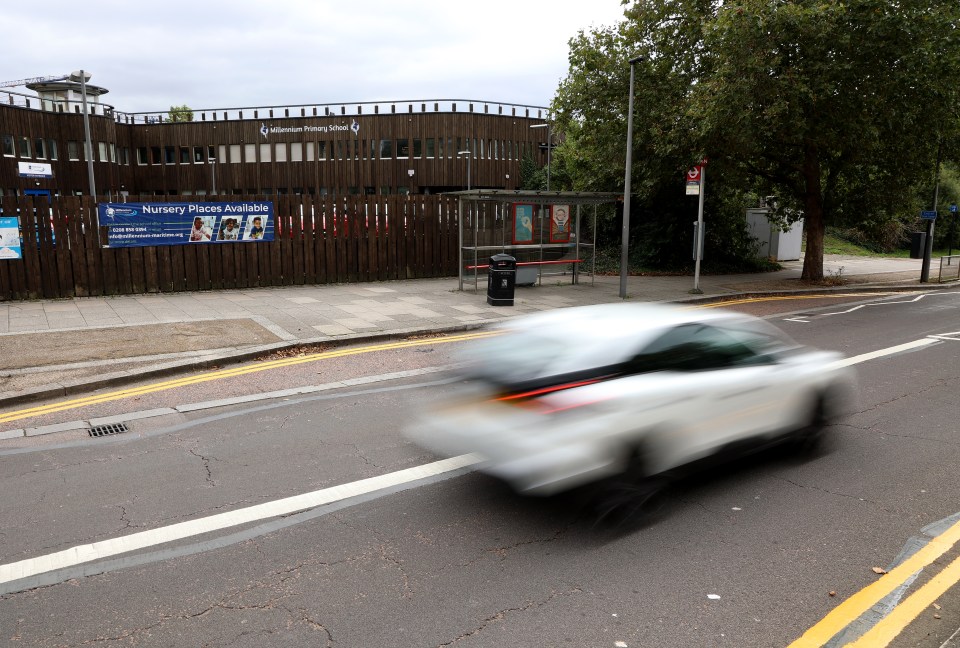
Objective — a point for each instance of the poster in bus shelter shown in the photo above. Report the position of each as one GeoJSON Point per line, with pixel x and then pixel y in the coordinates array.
{"type": "Point", "coordinates": [560, 223]}
{"type": "Point", "coordinates": [522, 223]}
{"type": "Point", "coordinates": [10, 238]}
{"type": "Point", "coordinates": [142, 224]}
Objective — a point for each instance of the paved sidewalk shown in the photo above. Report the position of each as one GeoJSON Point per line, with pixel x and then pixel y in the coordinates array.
{"type": "Point", "coordinates": [57, 347]}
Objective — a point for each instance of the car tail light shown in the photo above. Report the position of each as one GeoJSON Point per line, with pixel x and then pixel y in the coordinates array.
{"type": "Point", "coordinates": [540, 401]}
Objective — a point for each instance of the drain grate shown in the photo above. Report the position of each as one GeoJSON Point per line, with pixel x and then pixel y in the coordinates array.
{"type": "Point", "coordinates": [106, 430]}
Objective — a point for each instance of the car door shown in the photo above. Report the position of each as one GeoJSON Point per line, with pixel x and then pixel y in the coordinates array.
{"type": "Point", "coordinates": [716, 390]}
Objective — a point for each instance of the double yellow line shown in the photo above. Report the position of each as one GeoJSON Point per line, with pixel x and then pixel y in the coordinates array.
{"type": "Point", "coordinates": [887, 629]}
{"type": "Point", "coordinates": [17, 415]}
{"type": "Point", "coordinates": [750, 300]}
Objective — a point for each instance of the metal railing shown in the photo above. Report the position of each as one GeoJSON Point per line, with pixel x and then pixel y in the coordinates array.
{"type": "Point", "coordinates": [952, 265]}
{"type": "Point", "coordinates": [331, 109]}
{"type": "Point", "coordinates": [343, 109]}
{"type": "Point", "coordinates": [34, 102]}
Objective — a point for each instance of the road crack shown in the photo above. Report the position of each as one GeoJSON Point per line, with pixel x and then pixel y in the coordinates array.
{"type": "Point", "coordinates": [502, 614]}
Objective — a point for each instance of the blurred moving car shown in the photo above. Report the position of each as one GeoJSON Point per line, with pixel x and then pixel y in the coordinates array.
{"type": "Point", "coordinates": [576, 395]}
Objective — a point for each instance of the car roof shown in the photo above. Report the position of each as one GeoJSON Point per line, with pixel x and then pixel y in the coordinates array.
{"type": "Point", "coordinates": [575, 339]}
{"type": "Point", "coordinates": [616, 320]}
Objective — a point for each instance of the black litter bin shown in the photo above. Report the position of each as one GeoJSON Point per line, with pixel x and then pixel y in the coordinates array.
{"type": "Point", "coordinates": [501, 280]}
{"type": "Point", "coordinates": [918, 244]}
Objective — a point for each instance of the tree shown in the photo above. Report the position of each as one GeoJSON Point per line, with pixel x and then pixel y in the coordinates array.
{"type": "Point", "coordinates": [834, 106]}
{"type": "Point", "coordinates": [180, 113]}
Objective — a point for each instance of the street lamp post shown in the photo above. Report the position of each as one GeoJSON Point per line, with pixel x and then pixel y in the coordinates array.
{"type": "Point", "coordinates": [625, 235]}
{"type": "Point", "coordinates": [82, 77]}
{"type": "Point", "coordinates": [469, 156]}
{"type": "Point", "coordinates": [549, 146]}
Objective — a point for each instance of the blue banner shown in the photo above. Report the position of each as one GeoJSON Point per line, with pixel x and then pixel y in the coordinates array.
{"type": "Point", "coordinates": [10, 238]}
{"type": "Point", "coordinates": [140, 224]}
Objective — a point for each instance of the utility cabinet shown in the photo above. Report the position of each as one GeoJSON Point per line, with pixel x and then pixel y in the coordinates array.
{"type": "Point", "coordinates": [775, 244]}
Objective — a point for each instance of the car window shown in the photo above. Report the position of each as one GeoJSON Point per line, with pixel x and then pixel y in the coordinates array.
{"type": "Point", "coordinates": [694, 347]}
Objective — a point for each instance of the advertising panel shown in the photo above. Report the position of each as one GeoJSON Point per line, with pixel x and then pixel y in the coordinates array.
{"type": "Point", "coordinates": [522, 223]}
{"type": "Point", "coordinates": [560, 224]}
{"type": "Point", "coordinates": [141, 224]}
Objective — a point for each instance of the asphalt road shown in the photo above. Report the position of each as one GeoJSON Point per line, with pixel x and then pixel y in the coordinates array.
{"type": "Point", "coordinates": [747, 555]}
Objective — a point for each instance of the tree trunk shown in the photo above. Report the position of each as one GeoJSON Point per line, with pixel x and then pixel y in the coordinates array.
{"type": "Point", "coordinates": [813, 215]}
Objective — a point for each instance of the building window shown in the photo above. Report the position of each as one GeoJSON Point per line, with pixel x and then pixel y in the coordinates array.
{"type": "Point", "coordinates": [403, 149]}
{"type": "Point", "coordinates": [264, 152]}
{"type": "Point", "coordinates": [184, 155]}
{"type": "Point", "coordinates": [280, 152]}
{"type": "Point", "coordinates": [39, 149]}
{"type": "Point", "coordinates": [8, 149]}
{"type": "Point", "coordinates": [25, 147]}
{"type": "Point", "coordinates": [431, 150]}
{"type": "Point", "coordinates": [155, 155]}
{"type": "Point", "coordinates": [249, 152]}
{"type": "Point", "coordinates": [235, 153]}
{"type": "Point", "coordinates": [418, 148]}
{"type": "Point", "coordinates": [386, 149]}
{"type": "Point", "coordinates": [311, 151]}
{"type": "Point", "coordinates": [321, 150]}
{"type": "Point", "coordinates": [212, 153]}
{"type": "Point", "coordinates": [198, 155]}
{"type": "Point", "coordinates": [124, 155]}
{"type": "Point", "coordinates": [141, 153]}
{"type": "Point", "coordinates": [113, 152]}
{"type": "Point", "coordinates": [296, 152]}
{"type": "Point", "coordinates": [52, 149]}
{"type": "Point", "coordinates": [102, 148]}
{"type": "Point", "coordinates": [340, 151]}
{"type": "Point", "coordinates": [169, 155]}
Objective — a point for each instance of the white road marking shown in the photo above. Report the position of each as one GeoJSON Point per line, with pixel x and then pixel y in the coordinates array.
{"type": "Point", "coordinates": [153, 537]}
{"type": "Point", "coordinates": [115, 546]}
{"type": "Point", "coordinates": [886, 302]}
{"type": "Point", "coordinates": [797, 319]}
{"type": "Point", "coordinates": [863, 357]}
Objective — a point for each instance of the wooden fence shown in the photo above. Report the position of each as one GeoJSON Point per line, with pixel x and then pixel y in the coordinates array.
{"type": "Point", "coordinates": [317, 240]}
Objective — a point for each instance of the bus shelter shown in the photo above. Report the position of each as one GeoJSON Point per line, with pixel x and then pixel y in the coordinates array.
{"type": "Point", "coordinates": [550, 233]}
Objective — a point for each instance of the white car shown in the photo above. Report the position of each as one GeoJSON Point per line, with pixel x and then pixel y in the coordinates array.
{"type": "Point", "coordinates": [571, 396]}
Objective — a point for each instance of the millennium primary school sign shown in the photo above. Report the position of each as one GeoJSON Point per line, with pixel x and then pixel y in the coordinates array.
{"type": "Point", "coordinates": [143, 224]}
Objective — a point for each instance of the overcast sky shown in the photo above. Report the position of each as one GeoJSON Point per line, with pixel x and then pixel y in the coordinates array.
{"type": "Point", "coordinates": [237, 53]}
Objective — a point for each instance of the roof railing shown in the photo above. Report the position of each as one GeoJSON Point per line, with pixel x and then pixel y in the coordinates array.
{"type": "Point", "coordinates": [343, 109]}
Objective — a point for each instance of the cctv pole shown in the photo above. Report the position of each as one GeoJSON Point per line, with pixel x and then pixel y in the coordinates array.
{"type": "Point", "coordinates": [86, 132]}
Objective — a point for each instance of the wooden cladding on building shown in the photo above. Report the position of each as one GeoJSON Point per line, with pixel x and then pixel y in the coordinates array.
{"type": "Point", "coordinates": [317, 240]}
{"type": "Point", "coordinates": [336, 154]}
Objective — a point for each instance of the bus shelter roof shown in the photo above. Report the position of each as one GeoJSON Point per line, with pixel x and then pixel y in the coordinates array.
{"type": "Point", "coordinates": [537, 197]}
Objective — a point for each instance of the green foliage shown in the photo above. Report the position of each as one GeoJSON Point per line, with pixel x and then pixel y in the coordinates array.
{"type": "Point", "coordinates": [836, 107]}
{"type": "Point", "coordinates": [180, 113]}
{"type": "Point", "coordinates": [531, 177]}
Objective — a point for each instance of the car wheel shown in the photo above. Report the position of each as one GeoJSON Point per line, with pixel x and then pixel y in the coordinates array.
{"type": "Point", "coordinates": [809, 437]}
{"type": "Point", "coordinates": [632, 498]}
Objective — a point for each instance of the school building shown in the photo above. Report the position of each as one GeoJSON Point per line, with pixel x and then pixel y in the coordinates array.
{"type": "Point", "coordinates": [409, 147]}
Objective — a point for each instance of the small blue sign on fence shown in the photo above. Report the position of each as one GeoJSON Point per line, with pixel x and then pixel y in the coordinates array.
{"type": "Point", "coordinates": [10, 237]}
{"type": "Point", "coordinates": [953, 208]}
{"type": "Point", "coordinates": [928, 215]}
